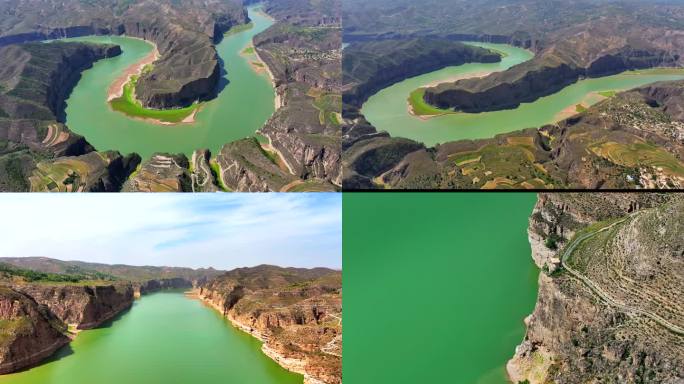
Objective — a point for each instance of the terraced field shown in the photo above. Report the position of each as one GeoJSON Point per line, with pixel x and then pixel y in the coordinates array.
{"type": "Point", "coordinates": [640, 154]}
{"type": "Point", "coordinates": [511, 165]}
{"type": "Point", "coordinates": [71, 174]}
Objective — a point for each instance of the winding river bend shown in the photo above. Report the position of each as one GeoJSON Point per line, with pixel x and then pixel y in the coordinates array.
{"type": "Point", "coordinates": [165, 337]}
{"type": "Point", "coordinates": [457, 271]}
{"type": "Point", "coordinates": [240, 109]}
{"type": "Point", "coordinates": [387, 110]}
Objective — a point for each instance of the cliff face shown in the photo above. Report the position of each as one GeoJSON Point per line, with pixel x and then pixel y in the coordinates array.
{"type": "Point", "coordinates": [297, 313]}
{"type": "Point", "coordinates": [36, 80]}
{"type": "Point", "coordinates": [160, 284]}
{"type": "Point", "coordinates": [84, 307]}
{"type": "Point", "coordinates": [622, 328]}
{"type": "Point", "coordinates": [29, 333]}
{"type": "Point", "coordinates": [245, 167]}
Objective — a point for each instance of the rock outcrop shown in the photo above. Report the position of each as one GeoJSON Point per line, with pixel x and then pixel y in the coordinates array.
{"type": "Point", "coordinates": [608, 331]}
{"type": "Point", "coordinates": [297, 313]}
{"type": "Point", "coordinates": [244, 166]}
{"type": "Point", "coordinates": [83, 307]}
{"type": "Point", "coordinates": [30, 332]}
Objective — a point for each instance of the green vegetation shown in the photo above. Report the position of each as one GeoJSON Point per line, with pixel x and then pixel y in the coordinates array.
{"type": "Point", "coordinates": [248, 51]}
{"type": "Point", "coordinates": [76, 275]}
{"type": "Point", "coordinates": [505, 165]}
{"type": "Point", "coordinates": [421, 108]}
{"type": "Point", "coordinates": [580, 108]}
{"type": "Point", "coordinates": [216, 170]}
{"type": "Point", "coordinates": [239, 28]}
{"type": "Point", "coordinates": [329, 105]}
{"type": "Point", "coordinates": [130, 106]}
{"type": "Point", "coordinates": [313, 186]}
{"type": "Point", "coordinates": [639, 154]}
{"type": "Point", "coordinates": [607, 93]}
{"type": "Point", "coordinates": [271, 155]}
{"type": "Point", "coordinates": [9, 328]}
{"type": "Point", "coordinates": [551, 242]}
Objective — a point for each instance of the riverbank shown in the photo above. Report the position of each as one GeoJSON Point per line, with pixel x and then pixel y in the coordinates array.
{"type": "Point", "coordinates": [116, 90]}
{"type": "Point", "coordinates": [278, 99]}
{"type": "Point", "coordinates": [292, 365]}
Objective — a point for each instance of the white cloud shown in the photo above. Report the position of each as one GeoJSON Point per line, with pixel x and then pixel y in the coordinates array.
{"type": "Point", "coordinates": [218, 230]}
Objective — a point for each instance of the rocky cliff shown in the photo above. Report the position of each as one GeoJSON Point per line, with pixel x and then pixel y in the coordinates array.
{"type": "Point", "coordinates": [612, 310]}
{"type": "Point", "coordinates": [156, 285]}
{"type": "Point", "coordinates": [83, 307]}
{"type": "Point", "coordinates": [246, 167]}
{"type": "Point", "coordinates": [29, 332]}
{"type": "Point", "coordinates": [296, 312]}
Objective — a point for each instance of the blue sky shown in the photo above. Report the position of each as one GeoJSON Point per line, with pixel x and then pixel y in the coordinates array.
{"type": "Point", "coordinates": [223, 231]}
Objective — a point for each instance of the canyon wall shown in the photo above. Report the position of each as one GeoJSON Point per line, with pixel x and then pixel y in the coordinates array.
{"type": "Point", "coordinates": [297, 315]}
{"type": "Point", "coordinates": [30, 332]}
{"type": "Point", "coordinates": [84, 307]}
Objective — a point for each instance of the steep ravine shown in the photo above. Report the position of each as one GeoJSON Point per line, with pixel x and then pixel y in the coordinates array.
{"type": "Point", "coordinates": [575, 336]}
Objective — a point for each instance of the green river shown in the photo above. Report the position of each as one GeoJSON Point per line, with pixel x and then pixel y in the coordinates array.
{"type": "Point", "coordinates": [437, 285]}
{"type": "Point", "coordinates": [387, 109]}
{"type": "Point", "coordinates": [166, 338]}
{"type": "Point", "coordinates": [240, 109]}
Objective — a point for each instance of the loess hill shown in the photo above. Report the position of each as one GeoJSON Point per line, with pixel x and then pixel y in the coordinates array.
{"type": "Point", "coordinates": [571, 40]}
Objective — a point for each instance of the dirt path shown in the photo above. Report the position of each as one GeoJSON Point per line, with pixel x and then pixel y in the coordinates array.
{"type": "Point", "coordinates": [604, 295]}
